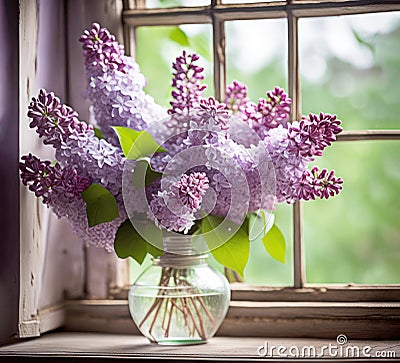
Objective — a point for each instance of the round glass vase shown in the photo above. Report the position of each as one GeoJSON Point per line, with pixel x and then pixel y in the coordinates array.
{"type": "Point", "coordinates": [179, 299]}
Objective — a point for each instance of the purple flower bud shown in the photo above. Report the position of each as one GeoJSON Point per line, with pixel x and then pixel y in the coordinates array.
{"type": "Point", "coordinates": [236, 96]}
{"type": "Point", "coordinates": [186, 81]}
{"type": "Point", "coordinates": [174, 209]}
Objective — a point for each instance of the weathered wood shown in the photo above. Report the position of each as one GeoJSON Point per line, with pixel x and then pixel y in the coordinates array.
{"type": "Point", "coordinates": [310, 292]}
{"type": "Point", "coordinates": [51, 318]}
{"type": "Point", "coordinates": [33, 215]}
{"type": "Point", "coordinates": [170, 16]}
{"type": "Point", "coordinates": [369, 135]}
{"type": "Point", "coordinates": [256, 318]}
{"type": "Point", "coordinates": [219, 58]}
{"type": "Point", "coordinates": [299, 277]}
{"type": "Point", "coordinates": [313, 292]}
{"type": "Point", "coordinates": [88, 345]}
{"type": "Point", "coordinates": [103, 270]}
{"type": "Point", "coordinates": [318, 8]}
{"type": "Point", "coordinates": [266, 10]}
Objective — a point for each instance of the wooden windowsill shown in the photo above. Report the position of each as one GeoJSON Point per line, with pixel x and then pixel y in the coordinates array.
{"type": "Point", "coordinates": [88, 347]}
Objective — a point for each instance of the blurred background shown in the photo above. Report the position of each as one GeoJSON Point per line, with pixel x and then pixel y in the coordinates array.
{"type": "Point", "coordinates": [350, 66]}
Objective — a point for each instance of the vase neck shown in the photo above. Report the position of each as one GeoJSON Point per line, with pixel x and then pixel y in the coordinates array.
{"type": "Point", "coordinates": [179, 245]}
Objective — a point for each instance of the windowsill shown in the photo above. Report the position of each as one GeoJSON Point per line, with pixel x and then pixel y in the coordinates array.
{"type": "Point", "coordinates": [98, 347]}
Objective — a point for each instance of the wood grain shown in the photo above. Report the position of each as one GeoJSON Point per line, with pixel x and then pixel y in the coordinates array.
{"type": "Point", "coordinates": [33, 215]}
{"type": "Point", "coordinates": [257, 318]}
{"type": "Point", "coordinates": [87, 345]}
{"type": "Point", "coordinates": [261, 10]}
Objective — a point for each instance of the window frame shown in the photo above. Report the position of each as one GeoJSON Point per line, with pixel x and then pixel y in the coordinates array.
{"type": "Point", "coordinates": [135, 14]}
{"type": "Point", "coordinates": [362, 311]}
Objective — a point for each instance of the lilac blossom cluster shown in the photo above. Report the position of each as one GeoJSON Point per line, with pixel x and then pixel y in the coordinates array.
{"type": "Point", "coordinates": [236, 96]}
{"type": "Point", "coordinates": [56, 185]}
{"type": "Point", "coordinates": [228, 164]}
{"type": "Point", "coordinates": [60, 189]}
{"type": "Point", "coordinates": [267, 113]}
{"type": "Point", "coordinates": [243, 176]}
{"type": "Point", "coordinates": [174, 209]}
{"type": "Point", "coordinates": [186, 94]}
{"type": "Point", "coordinates": [115, 85]}
{"type": "Point", "coordinates": [79, 153]}
{"type": "Point", "coordinates": [291, 146]}
{"type": "Point", "coordinates": [186, 83]}
{"type": "Point", "coordinates": [75, 142]}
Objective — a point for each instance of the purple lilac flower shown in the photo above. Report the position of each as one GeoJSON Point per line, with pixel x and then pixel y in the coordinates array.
{"type": "Point", "coordinates": [186, 83]}
{"type": "Point", "coordinates": [115, 85]}
{"type": "Point", "coordinates": [268, 113]}
{"type": "Point", "coordinates": [312, 134]}
{"type": "Point", "coordinates": [36, 175]}
{"type": "Point", "coordinates": [101, 50]}
{"type": "Point", "coordinates": [61, 188]}
{"type": "Point", "coordinates": [174, 209]}
{"type": "Point", "coordinates": [236, 96]}
{"type": "Point", "coordinates": [292, 149]}
{"type": "Point", "coordinates": [213, 114]}
{"type": "Point", "coordinates": [51, 181]}
{"type": "Point", "coordinates": [326, 184]}
{"type": "Point", "coordinates": [54, 122]}
{"type": "Point", "coordinates": [75, 142]}
{"type": "Point", "coordinates": [191, 189]}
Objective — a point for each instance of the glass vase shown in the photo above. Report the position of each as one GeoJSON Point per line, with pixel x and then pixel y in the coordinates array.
{"type": "Point", "coordinates": [179, 299]}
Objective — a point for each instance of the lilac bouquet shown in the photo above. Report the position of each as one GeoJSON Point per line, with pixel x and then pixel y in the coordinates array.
{"type": "Point", "coordinates": [204, 167]}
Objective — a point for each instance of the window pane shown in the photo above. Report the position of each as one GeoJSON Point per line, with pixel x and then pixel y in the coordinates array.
{"type": "Point", "coordinates": [175, 3]}
{"type": "Point", "coordinates": [256, 54]}
{"type": "Point", "coordinates": [355, 236]}
{"type": "Point", "coordinates": [262, 269]}
{"type": "Point", "coordinates": [157, 48]}
{"type": "Point", "coordinates": [350, 65]}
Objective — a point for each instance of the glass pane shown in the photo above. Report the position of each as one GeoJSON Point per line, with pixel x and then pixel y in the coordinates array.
{"type": "Point", "coordinates": [261, 68]}
{"type": "Point", "coordinates": [262, 269]}
{"type": "Point", "coordinates": [355, 236]}
{"type": "Point", "coordinates": [350, 65]}
{"type": "Point", "coordinates": [157, 48]}
{"type": "Point", "coordinates": [175, 3]}
{"type": "Point", "coordinates": [256, 54]}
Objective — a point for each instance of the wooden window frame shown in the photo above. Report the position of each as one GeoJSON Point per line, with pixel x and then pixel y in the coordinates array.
{"type": "Point", "coordinates": [304, 309]}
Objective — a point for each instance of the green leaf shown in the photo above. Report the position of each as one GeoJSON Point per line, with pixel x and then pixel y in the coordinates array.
{"type": "Point", "coordinates": [362, 41]}
{"type": "Point", "coordinates": [98, 133]}
{"type": "Point", "coordinates": [260, 223]}
{"type": "Point", "coordinates": [201, 43]}
{"type": "Point", "coordinates": [101, 205]}
{"type": "Point", "coordinates": [274, 243]}
{"type": "Point", "coordinates": [144, 172]}
{"type": "Point", "coordinates": [129, 243]}
{"type": "Point", "coordinates": [179, 36]}
{"type": "Point", "coordinates": [230, 250]}
{"type": "Point", "coordinates": [137, 144]}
